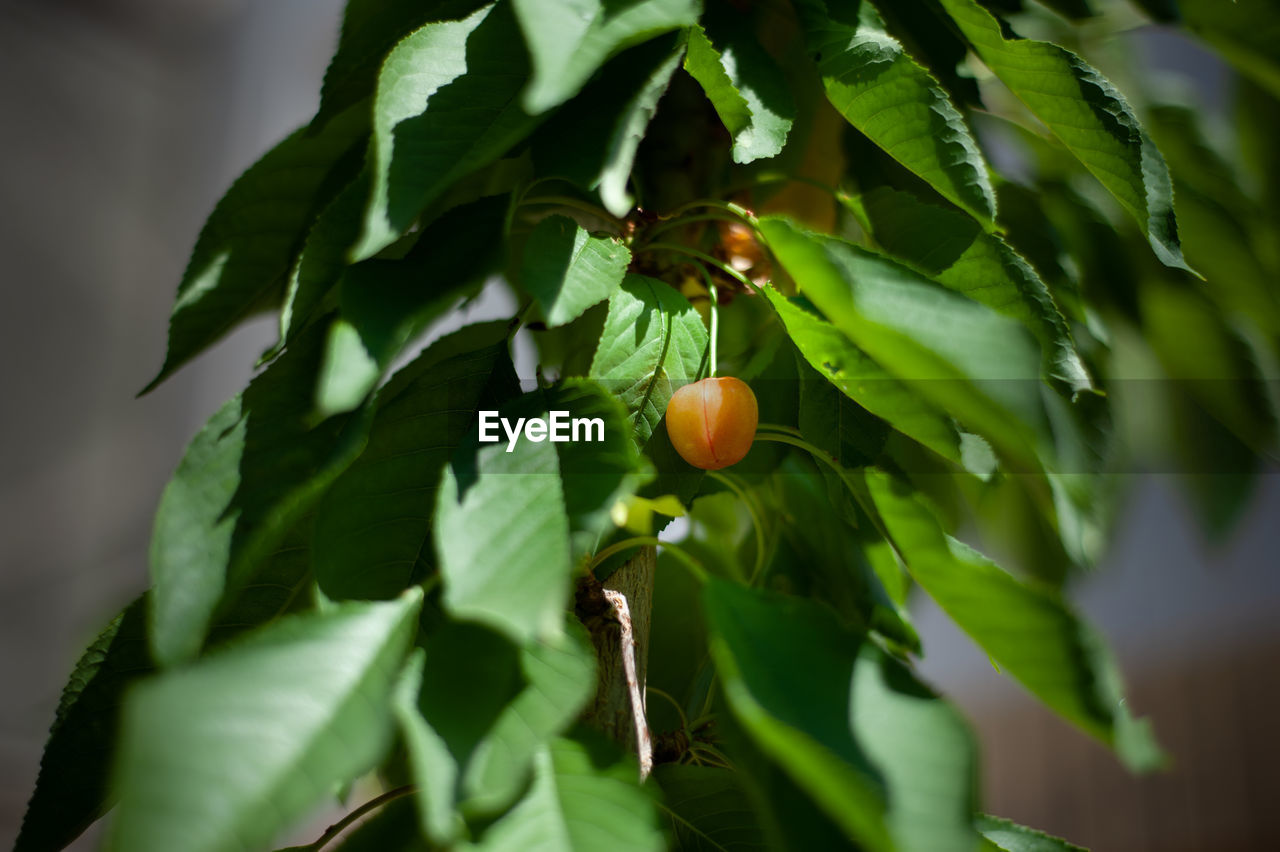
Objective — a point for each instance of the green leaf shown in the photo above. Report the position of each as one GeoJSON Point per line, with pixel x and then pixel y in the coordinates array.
{"type": "Point", "coordinates": [385, 304]}
{"type": "Point", "coordinates": [370, 29]}
{"type": "Point", "coordinates": [227, 753]}
{"type": "Point", "coordinates": [595, 474]}
{"type": "Point", "coordinates": [569, 40]}
{"type": "Point", "coordinates": [624, 142]}
{"type": "Point", "coordinates": [445, 106]}
{"type": "Point", "coordinates": [373, 534]}
{"type": "Point", "coordinates": [707, 809]}
{"type": "Point", "coordinates": [1028, 630]}
{"type": "Point", "coordinates": [863, 381]}
{"type": "Point", "coordinates": [71, 790]}
{"type": "Point", "coordinates": [244, 253]}
{"type": "Point", "coordinates": [251, 473]}
{"type": "Point", "coordinates": [478, 712]}
{"type": "Point", "coordinates": [963, 357]}
{"type": "Point", "coordinates": [895, 103]}
{"type": "Point", "coordinates": [434, 769]}
{"type": "Point", "coordinates": [568, 269]}
{"type": "Point", "coordinates": [323, 258]}
{"type": "Point", "coordinates": [1012, 837]}
{"type": "Point", "coordinates": [888, 760]}
{"type": "Point", "coordinates": [744, 85]}
{"type": "Point", "coordinates": [826, 558]}
{"type": "Point", "coordinates": [583, 799]}
{"type": "Point", "coordinates": [954, 251]}
{"type": "Point", "coordinates": [1086, 112]}
{"type": "Point", "coordinates": [559, 677]}
{"type": "Point", "coordinates": [653, 342]}
{"type": "Point", "coordinates": [512, 515]}
{"type": "Point", "coordinates": [502, 536]}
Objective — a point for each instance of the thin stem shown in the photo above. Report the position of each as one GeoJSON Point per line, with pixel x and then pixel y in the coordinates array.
{"type": "Point", "coordinates": [705, 258]}
{"type": "Point", "coordinates": [652, 232]}
{"type": "Point", "coordinates": [694, 566]}
{"type": "Point", "coordinates": [862, 499]}
{"type": "Point", "coordinates": [684, 720]}
{"type": "Point", "coordinates": [733, 485]}
{"type": "Point", "coordinates": [343, 824]}
{"type": "Point", "coordinates": [736, 210]}
{"type": "Point", "coordinates": [713, 315]}
{"type": "Point", "coordinates": [778, 427]}
{"type": "Point", "coordinates": [576, 204]}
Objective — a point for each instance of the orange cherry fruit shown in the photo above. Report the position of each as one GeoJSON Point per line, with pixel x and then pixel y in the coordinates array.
{"type": "Point", "coordinates": [713, 422]}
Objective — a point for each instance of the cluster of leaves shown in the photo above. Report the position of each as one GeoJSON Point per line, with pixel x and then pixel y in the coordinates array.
{"type": "Point", "coordinates": [347, 581]}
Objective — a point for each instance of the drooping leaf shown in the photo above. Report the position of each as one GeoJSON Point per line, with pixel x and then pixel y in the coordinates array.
{"type": "Point", "coordinates": [826, 558]}
{"type": "Point", "coordinates": [580, 140]}
{"type": "Point", "coordinates": [963, 357]}
{"type": "Point", "coordinates": [242, 258]}
{"type": "Point", "coordinates": [602, 468]}
{"type": "Point", "coordinates": [1012, 837]}
{"type": "Point", "coordinates": [620, 154]}
{"type": "Point", "coordinates": [653, 342]}
{"type": "Point", "coordinates": [445, 106]}
{"type": "Point", "coordinates": [227, 753]}
{"type": "Point", "coordinates": [744, 85]}
{"type": "Point", "coordinates": [71, 790]}
{"type": "Point", "coordinates": [385, 304]}
{"type": "Point", "coordinates": [568, 269]}
{"type": "Point", "coordinates": [370, 29]}
{"type": "Point", "coordinates": [1086, 112]}
{"type": "Point", "coordinates": [512, 515]}
{"type": "Point", "coordinates": [433, 768]}
{"type": "Point", "coordinates": [863, 381]}
{"type": "Point", "coordinates": [323, 258]}
{"type": "Point", "coordinates": [252, 472]}
{"type": "Point", "coordinates": [559, 677]}
{"type": "Point", "coordinates": [502, 537]}
{"type": "Point", "coordinates": [707, 809]}
{"type": "Point", "coordinates": [583, 798]}
{"type": "Point", "coordinates": [569, 40]}
{"type": "Point", "coordinates": [888, 760]}
{"type": "Point", "coordinates": [894, 102]}
{"type": "Point", "coordinates": [1028, 630]}
{"type": "Point", "coordinates": [373, 530]}
{"type": "Point", "coordinates": [954, 251]}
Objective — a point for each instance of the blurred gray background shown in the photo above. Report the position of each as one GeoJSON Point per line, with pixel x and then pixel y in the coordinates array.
{"type": "Point", "coordinates": [123, 122]}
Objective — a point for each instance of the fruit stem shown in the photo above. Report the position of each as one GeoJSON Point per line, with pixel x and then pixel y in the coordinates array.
{"type": "Point", "coordinates": [713, 318]}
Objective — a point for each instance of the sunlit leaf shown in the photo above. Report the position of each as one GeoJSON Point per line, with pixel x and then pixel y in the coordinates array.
{"type": "Point", "coordinates": [227, 753]}
{"type": "Point", "coordinates": [896, 103]}
{"type": "Point", "coordinates": [1028, 630]}
{"type": "Point", "coordinates": [373, 536]}
{"type": "Point", "coordinates": [890, 762]}
{"type": "Point", "coordinates": [1089, 115]}
{"type": "Point", "coordinates": [653, 342]}
{"type": "Point", "coordinates": [568, 269]}
{"type": "Point", "coordinates": [569, 40]}
{"type": "Point", "coordinates": [445, 106]}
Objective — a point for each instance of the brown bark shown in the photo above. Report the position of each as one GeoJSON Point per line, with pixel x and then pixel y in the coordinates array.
{"type": "Point", "coordinates": [611, 710]}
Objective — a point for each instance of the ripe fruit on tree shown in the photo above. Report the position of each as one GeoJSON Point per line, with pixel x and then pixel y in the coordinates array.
{"type": "Point", "coordinates": [713, 422]}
